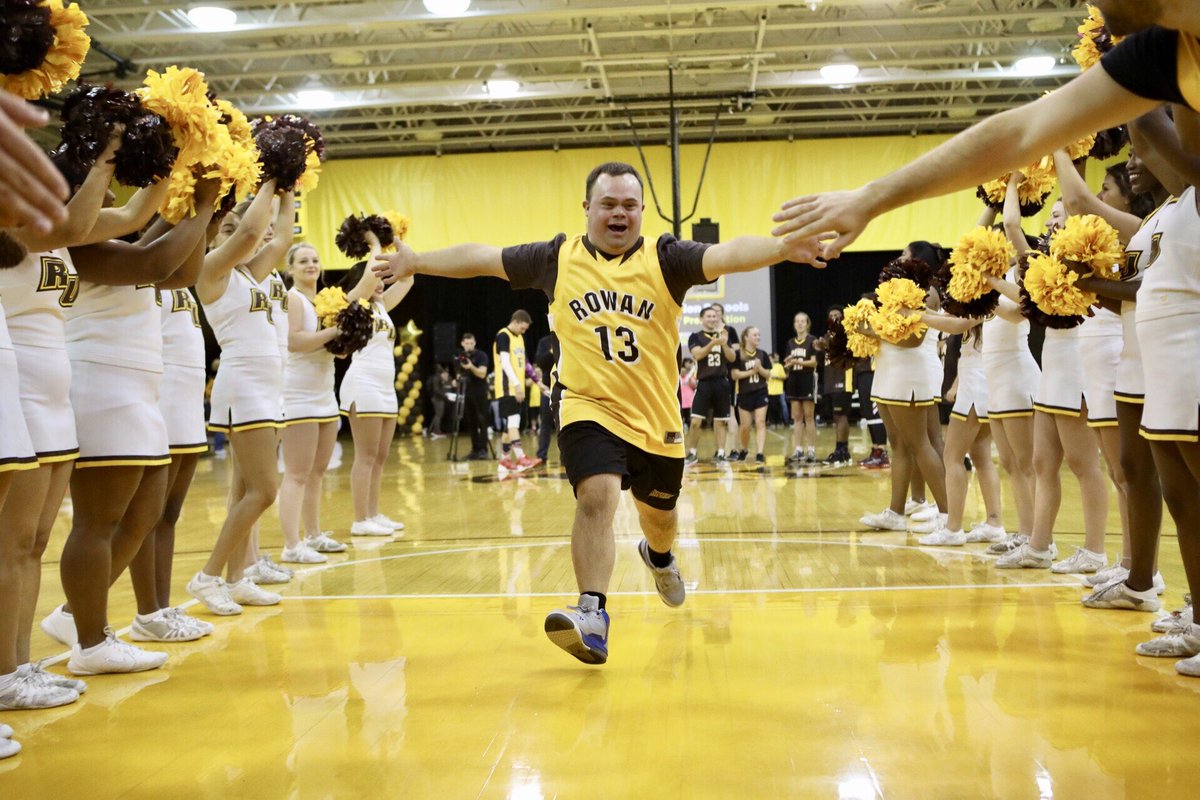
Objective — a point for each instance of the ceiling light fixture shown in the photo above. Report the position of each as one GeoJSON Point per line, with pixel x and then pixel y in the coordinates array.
{"type": "Point", "coordinates": [316, 98]}
{"type": "Point", "coordinates": [447, 8]}
{"type": "Point", "coordinates": [212, 18]}
{"type": "Point", "coordinates": [1034, 65]}
{"type": "Point", "coordinates": [502, 87]}
{"type": "Point", "coordinates": [839, 71]}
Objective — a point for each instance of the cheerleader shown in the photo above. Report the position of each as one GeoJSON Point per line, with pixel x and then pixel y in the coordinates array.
{"type": "Point", "coordinates": [751, 371]}
{"type": "Point", "coordinates": [800, 388]}
{"type": "Point", "coordinates": [1060, 432]}
{"type": "Point", "coordinates": [310, 411]}
{"type": "Point", "coordinates": [368, 397]}
{"type": "Point", "coordinates": [246, 402]}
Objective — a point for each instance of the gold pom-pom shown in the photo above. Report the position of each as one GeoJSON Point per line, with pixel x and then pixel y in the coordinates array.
{"type": "Point", "coordinates": [1052, 287]}
{"type": "Point", "coordinates": [180, 201]}
{"type": "Point", "coordinates": [1091, 241]}
{"type": "Point", "coordinates": [181, 97]}
{"type": "Point", "coordinates": [399, 223]}
{"type": "Point", "coordinates": [895, 296]}
{"type": "Point", "coordinates": [1082, 148]}
{"type": "Point", "coordinates": [1094, 39]}
{"type": "Point", "coordinates": [853, 317]}
{"type": "Point", "coordinates": [312, 171]}
{"type": "Point", "coordinates": [1038, 184]}
{"type": "Point", "coordinates": [901, 293]}
{"type": "Point", "coordinates": [980, 250]}
{"type": "Point", "coordinates": [328, 304]}
{"type": "Point", "coordinates": [63, 60]}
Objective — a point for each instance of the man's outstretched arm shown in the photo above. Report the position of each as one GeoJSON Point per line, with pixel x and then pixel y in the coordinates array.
{"type": "Point", "coordinates": [459, 261]}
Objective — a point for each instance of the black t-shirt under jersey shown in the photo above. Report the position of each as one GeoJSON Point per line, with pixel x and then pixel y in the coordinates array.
{"type": "Point", "coordinates": [713, 365]}
{"type": "Point", "coordinates": [1150, 64]}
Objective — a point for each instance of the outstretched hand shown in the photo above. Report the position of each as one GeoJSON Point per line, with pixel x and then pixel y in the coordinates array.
{"type": "Point", "coordinates": [840, 216]}
{"type": "Point", "coordinates": [810, 250]}
{"type": "Point", "coordinates": [392, 267]}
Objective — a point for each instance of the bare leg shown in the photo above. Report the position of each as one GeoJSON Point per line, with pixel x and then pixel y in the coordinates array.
{"type": "Point", "coordinates": [760, 431]}
{"type": "Point", "coordinates": [1083, 458]}
{"type": "Point", "coordinates": [1145, 498]}
{"type": "Point", "coordinates": [744, 429]}
{"type": "Point", "coordinates": [367, 432]}
{"type": "Point", "coordinates": [299, 452]}
{"type": "Point", "coordinates": [985, 471]}
{"type": "Point", "coordinates": [133, 547]}
{"type": "Point", "coordinates": [179, 480]}
{"type": "Point", "coordinates": [960, 435]}
{"type": "Point", "coordinates": [1014, 442]}
{"type": "Point", "coordinates": [658, 526]}
{"type": "Point", "coordinates": [911, 424]}
{"type": "Point", "coordinates": [13, 548]}
{"type": "Point", "coordinates": [1181, 489]}
{"type": "Point", "coordinates": [1047, 461]}
{"type": "Point", "coordinates": [592, 550]}
{"type": "Point", "coordinates": [1110, 447]}
{"type": "Point", "coordinates": [902, 462]}
{"type": "Point", "coordinates": [386, 431]}
{"type": "Point", "coordinates": [311, 509]}
{"type": "Point", "coordinates": [254, 451]}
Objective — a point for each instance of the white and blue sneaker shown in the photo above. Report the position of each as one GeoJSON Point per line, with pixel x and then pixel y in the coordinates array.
{"type": "Point", "coordinates": [581, 630]}
{"type": "Point", "coordinates": [666, 579]}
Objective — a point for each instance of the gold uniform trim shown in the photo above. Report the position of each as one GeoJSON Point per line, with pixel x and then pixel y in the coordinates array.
{"type": "Point", "coordinates": [122, 461]}
{"type": "Point", "coordinates": [19, 464]}
{"type": "Point", "coordinates": [58, 456]}
{"type": "Point", "coordinates": [1061, 411]}
{"type": "Point", "coordinates": [287, 423]}
{"type": "Point", "coordinates": [907, 403]}
{"type": "Point", "coordinates": [187, 449]}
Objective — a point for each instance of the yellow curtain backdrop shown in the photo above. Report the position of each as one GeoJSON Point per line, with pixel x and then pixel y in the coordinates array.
{"type": "Point", "coordinates": [513, 197]}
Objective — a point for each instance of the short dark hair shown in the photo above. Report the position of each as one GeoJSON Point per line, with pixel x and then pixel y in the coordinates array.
{"type": "Point", "coordinates": [521, 315]}
{"type": "Point", "coordinates": [707, 309]}
{"type": "Point", "coordinates": [613, 168]}
{"type": "Point", "coordinates": [467, 335]}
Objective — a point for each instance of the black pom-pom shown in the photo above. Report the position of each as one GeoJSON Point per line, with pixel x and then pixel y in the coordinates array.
{"type": "Point", "coordinates": [1031, 312]}
{"type": "Point", "coordinates": [382, 229]}
{"type": "Point", "coordinates": [11, 251]}
{"type": "Point", "coordinates": [997, 206]}
{"type": "Point", "coordinates": [351, 237]}
{"type": "Point", "coordinates": [282, 151]}
{"type": "Point", "coordinates": [1032, 209]}
{"type": "Point", "coordinates": [914, 269]}
{"type": "Point", "coordinates": [1109, 143]}
{"type": "Point", "coordinates": [837, 347]}
{"type": "Point", "coordinates": [147, 151]}
{"type": "Point", "coordinates": [357, 324]}
{"type": "Point", "coordinates": [974, 309]}
{"type": "Point", "coordinates": [26, 35]}
{"type": "Point", "coordinates": [70, 166]}
{"type": "Point", "coordinates": [305, 127]}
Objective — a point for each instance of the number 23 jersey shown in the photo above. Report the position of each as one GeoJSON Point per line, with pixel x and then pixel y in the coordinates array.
{"type": "Point", "coordinates": [617, 320]}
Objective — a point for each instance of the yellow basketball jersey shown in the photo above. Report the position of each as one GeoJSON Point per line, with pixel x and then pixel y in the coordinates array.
{"type": "Point", "coordinates": [516, 344]}
{"type": "Point", "coordinates": [618, 329]}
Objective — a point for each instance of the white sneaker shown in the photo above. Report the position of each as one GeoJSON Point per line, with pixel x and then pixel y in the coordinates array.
{"type": "Point", "coordinates": [1082, 561]}
{"type": "Point", "coordinates": [205, 628]}
{"type": "Point", "coordinates": [267, 563]}
{"type": "Point", "coordinates": [369, 527]}
{"type": "Point", "coordinates": [8, 748]}
{"type": "Point", "coordinates": [1176, 618]}
{"type": "Point", "coordinates": [912, 506]}
{"type": "Point", "coordinates": [301, 554]}
{"type": "Point", "coordinates": [266, 572]}
{"type": "Point", "coordinates": [246, 593]}
{"type": "Point", "coordinates": [983, 532]}
{"type": "Point", "coordinates": [36, 671]}
{"type": "Point", "coordinates": [27, 691]}
{"type": "Point", "coordinates": [387, 522]}
{"type": "Point", "coordinates": [60, 626]}
{"type": "Point", "coordinates": [929, 512]}
{"type": "Point", "coordinates": [1118, 595]}
{"type": "Point", "coordinates": [1183, 642]}
{"type": "Point", "coordinates": [1189, 667]}
{"type": "Point", "coordinates": [1025, 557]}
{"type": "Point", "coordinates": [1007, 544]}
{"type": "Point", "coordinates": [163, 627]}
{"type": "Point", "coordinates": [5, 731]}
{"type": "Point", "coordinates": [214, 594]}
{"type": "Point", "coordinates": [113, 655]}
{"type": "Point", "coordinates": [886, 520]}
{"type": "Point", "coordinates": [1159, 583]}
{"type": "Point", "coordinates": [324, 543]}
{"type": "Point", "coordinates": [944, 538]}
{"type": "Point", "coordinates": [1103, 577]}
{"type": "Point", "coordinates": [934, 523]}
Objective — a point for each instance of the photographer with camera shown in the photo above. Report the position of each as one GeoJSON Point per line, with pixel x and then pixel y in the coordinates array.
{"type": "Point", "coordinates": [471, 369]}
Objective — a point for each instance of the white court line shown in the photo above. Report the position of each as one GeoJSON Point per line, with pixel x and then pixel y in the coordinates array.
{"type": "Point", "coordinates": [806, 590]}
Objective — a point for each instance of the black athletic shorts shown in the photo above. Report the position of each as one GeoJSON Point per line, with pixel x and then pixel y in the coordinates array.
{"type": "Point", "coordinates": [840, 401]}
{"type": "Point", "coordinates": [509, 407]}
{"type": "Point", "coordinates": [712, 399]}
{"type": "Point", "coordinates": [799, 385]}
{"type": "Point", "coordinates": [752, 401]}
{"type": "Point", "coordinates": [587, 448]}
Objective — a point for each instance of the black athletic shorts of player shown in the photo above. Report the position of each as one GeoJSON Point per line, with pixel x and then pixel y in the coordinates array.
{"type": "Point", "coordinates": [714, 390]}
{"type": "Point", "coordinates": [801, 382]}
{"type": "Point", "coordinates": [588, 449]}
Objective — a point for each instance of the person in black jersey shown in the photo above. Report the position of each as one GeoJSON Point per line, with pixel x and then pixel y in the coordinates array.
{"type": "Point", "coordinates": [800, 389]}
{"type": "Point", "coordinates": [837, 385]}
{"type": "Point", "coordinates": [731, 429]}
{"type": "Point", "coordinates": [752, 370]}
{"type": "Point", "coordinates": [711, 349]}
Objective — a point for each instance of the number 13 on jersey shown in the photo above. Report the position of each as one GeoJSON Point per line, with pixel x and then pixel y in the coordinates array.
{"type": "Point", "coordinates": [627, 349]}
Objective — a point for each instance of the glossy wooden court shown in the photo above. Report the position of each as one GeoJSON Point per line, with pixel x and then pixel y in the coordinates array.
{"type": "Point", "coordinates": [810, 660]}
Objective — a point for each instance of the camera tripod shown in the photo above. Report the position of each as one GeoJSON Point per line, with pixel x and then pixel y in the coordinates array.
{"type": "Point", "coordinates": [460, 403]}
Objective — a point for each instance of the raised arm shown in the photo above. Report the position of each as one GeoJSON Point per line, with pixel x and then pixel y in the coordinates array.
{"type": "Point", "coordinates": [747, 253]}
{"type": "Point", "coordinates": [238, 248]}
{"type": "Point", "coordinates": [1091, 102]}
{"type": "Point", "coordinates": [459, 261]}
{"type": "Point", "coordinates": [1012, 215]}
{"type": "Point", "coordinates": [1005, 287]}
{"type": "Point", "coordinates": [1078, 199]}
{"type": "Point", "coordinates": [273, 253]}
{"type": "Point", "coordinates": [396, 292]}
{"type": "Point", "coordinates": [947, 323]}
{"type": "Point", "coordinates": [185, 277]}
{"type": "Point", "coordinates": [368, 280]}
{"type": "Point", "coordinates": [1168, 148]}
{"type": "Point", "coordinates": [113, 223]}
{"type": "Point", "coordinates": [82, 209]}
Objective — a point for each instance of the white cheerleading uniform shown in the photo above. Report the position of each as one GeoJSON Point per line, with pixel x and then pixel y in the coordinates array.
{"type": "Point", "coordinates": [1140, 254]}
{"type": "Point", "coordinates": [972, 381]}
{"type": "Point", "coordinates": [248, 390]}
{"type": "Point", "coordinates": [114, 341]}
{"type": "Point", "coordinates": [1168, 322]}
{"type": "Point", "coordinates": [1060, 390]}
{"type": "Point", "coordinates": [182, 397]}
{"type": "Point", "coordinates": [16, 449]}
{"type": "Point", "coordinates": [277, 290]}
{"type": "Point", "coordinates": [907, 376]}
{"type": "Point", "coordinates": [37, 294]}
{"type": "Point", "coordinates": [369, 385]}
{"type": "Point", "coordinates": [1011, 372]}
{"type": "Point", "coordinates": [1100, 342]}
{"type": "Point", "coordinates": [308, 377]}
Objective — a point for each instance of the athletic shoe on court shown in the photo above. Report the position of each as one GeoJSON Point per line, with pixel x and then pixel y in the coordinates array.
{"type": "Point", "coordinates": [369, 527]}
{"type": "Point", "coordinates": [5, 732]}
{"type": "Point", "coordinates": [810, 457]}
{"type": "Point", "coordinates": [247, 594]}
{"type": "Point", "coordinates": [1175, 619]}
{"type": "Point", "coordinates": [760, 459]}
{"type": "Point", "coordinates": [944, 538]}
{"type": "Point", "coordinates": [60, 626]}
{"type": "Point", "coordinates": [1025, 557]}
{"type": "Point", "coordinates": [35, 671]}
{"type": "Point", "coordinates": [838, 458]}
{"type": "Point", "coordinates": [934, 523]}
{"type": "Point", "coordinates": [666, 579]}
{"type": "Point", "coordinates": [719, 458]}
{"type": "Point", "coordinates": [205, 628]}
{"type": "Point", "coordinates": [163, 627]}
{"type": "Point", "coordinates": [912, 506]}
{"type": "Point", "coordinates": [213, 592]}
{"type": "Point", "coordinates": [1103, 577]}
{"type": "Point", "coordinates": [1189, 667]}
{"type": "Point", "coordinates": [1182, 642]}
{"type": "Point", "coordinates": [690, 459]}
{"type": "Point", "coordinates": [8, 748]}
{"type": "Point", "coordinates": [1008, 544]}
{"type": "Point", "coordinates": [388, 522]}
{"type": "Point", "coordinates": [324, 543]}
{"type": "Point", "coordinates": [112, 655]}
{"type": "Point", "coordinates": [795, 458]}
{"type": "Point", "coordinates": [1118, 595]}
{"type": "Point", "coordinates": [886, 520]}
{"type": "Point", "coordinates": [1082, 561]}
{"type": "Point", "coordinates": [926, 514]}
{"type": "Point", "coordinates": [27, 692]}
{"type": "Point", "coordinates": [983, 532]}
{"type": "Point", "coordinates": [266, 572]}
{"type": "Point", "coordinates": [581, 630]}
{"type": "Point", "coordinates": [526, 462]}
{"type": "Point", "coordinates": [301, 554]}
{"type": "Point", "coordinates": [509, 463]}
{"type": "Point", "coordinates": [265, 560]}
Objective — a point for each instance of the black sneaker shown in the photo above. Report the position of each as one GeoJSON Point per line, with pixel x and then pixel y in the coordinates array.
{"type": "Point", "coordinates": [719, 458]}
{"type": "Point", "coordinates": [689, 459]}
{"type": "Point", "coordinates": [760, 459]}
{"type": "Point", "coordinates": [741, 455]}
{"type": "Point", "coordinates": [477, 455]}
